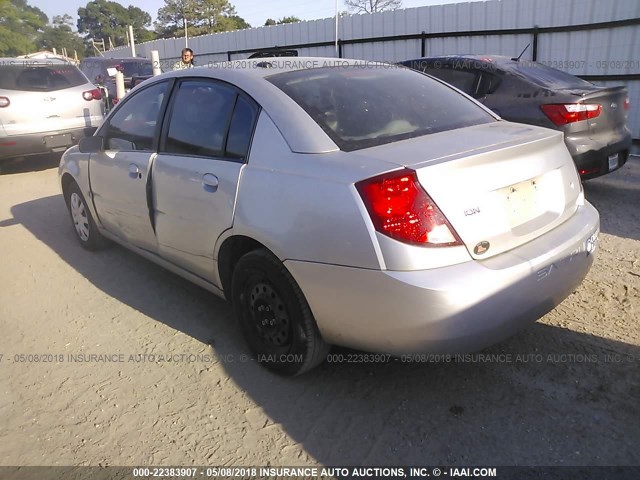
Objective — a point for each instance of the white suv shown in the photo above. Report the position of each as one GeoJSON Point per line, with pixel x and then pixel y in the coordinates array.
{"type": "Point", "coordinates": [45, 106]}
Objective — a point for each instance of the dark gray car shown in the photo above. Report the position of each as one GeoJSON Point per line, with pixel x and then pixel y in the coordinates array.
{"type": "Point", "coordinates": [593, 118]}
{"type": "Point", "coordinates": [101, 71]}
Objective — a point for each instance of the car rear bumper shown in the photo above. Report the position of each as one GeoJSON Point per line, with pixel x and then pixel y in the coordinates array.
{"type": "Point", "coordinates": [45, 142]}
{"type": "Point", "coordinates": [456, 309]}
{"type": "Point", "coordinates": [592, 159]}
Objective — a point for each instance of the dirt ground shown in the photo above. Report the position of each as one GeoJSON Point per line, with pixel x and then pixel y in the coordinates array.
{"type": "Point", "coordinates": [84, 376]}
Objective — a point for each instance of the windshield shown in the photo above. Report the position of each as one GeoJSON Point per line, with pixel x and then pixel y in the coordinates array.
{"type": "Point", "coordinates": [367, 105]}
{"type": "Point", "coordinates": [34, 77]}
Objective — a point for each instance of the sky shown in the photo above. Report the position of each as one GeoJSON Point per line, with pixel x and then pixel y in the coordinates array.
{"type": "Point", "coordinates": [255, 12]}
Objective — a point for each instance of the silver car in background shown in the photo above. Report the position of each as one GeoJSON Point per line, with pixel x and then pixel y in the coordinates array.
{"type": "Point", "coordinates": [45, 106]}
{"type": "Point", "coordinates": [338, 202]}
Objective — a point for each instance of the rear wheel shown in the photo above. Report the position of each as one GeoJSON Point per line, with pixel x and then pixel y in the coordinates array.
{"type": "Point", "coordinates": [86, 230]}
{"type": "Point", "coordinates": [274, 316]}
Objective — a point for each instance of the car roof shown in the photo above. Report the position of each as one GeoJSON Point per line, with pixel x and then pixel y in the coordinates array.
{"type": "Point", "coordinates": [497, 60]}
{"type": "Point", "coordinates": [267, 66]}
{"type": "Point", "coordinates": [121, 59]}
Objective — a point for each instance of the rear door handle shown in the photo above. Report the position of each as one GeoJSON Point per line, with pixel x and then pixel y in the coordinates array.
{"type": "Point", "coordinates": [210, 182]}
{"type": "Point", "coordinates": [134, 171]}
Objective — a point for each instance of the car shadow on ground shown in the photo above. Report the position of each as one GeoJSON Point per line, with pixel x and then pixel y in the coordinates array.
{"type": "Point", "coordinates": [547, 396]}
{"type": "Point", "coordinates": [617, 198]}
{"type": "Point", "coordinates": [35, 163]}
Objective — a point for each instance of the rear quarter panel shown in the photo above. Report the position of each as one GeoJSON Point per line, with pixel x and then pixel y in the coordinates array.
{"type": "Point", "coordinates": [304, 206]}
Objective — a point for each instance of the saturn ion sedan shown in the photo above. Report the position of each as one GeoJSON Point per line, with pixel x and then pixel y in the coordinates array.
{"type": "Point", "coordinates": [337, 202]}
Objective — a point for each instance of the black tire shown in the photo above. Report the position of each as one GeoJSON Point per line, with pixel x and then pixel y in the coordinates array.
{"type": "Point", "coordinates": [274, 316]}
{"type": "Point", "coordinates": [85, 228]}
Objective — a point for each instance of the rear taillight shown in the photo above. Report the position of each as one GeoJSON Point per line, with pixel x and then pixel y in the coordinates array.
{"type": "Point", "coordinates": [94, 94]}
{"type": "Point", "coordinates": [4, 102]}
{"type": "Point", "coordinates": [563, 113]}
{"type": "Point", "coordinates": [401, 209]}
{"type": "Point", "coordinates": [626, 103]}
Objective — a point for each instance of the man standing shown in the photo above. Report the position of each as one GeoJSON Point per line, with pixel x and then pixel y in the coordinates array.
{"type": "Point", "coordinates": [187, 60]}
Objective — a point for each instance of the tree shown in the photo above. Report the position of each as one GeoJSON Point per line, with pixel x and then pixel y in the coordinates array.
{"type": "Point", "coordinates": [20, 26]}
{"type": "Point", "coordinates": [372, 6]}
{"type": "Point", "coordinates": [171, 17]}
{"type": "Point", "coordinates": [234, 22]}
{"type": "Point", "coordinates": [103, 19]}
{"type": "Point", "coordinates": [202, 17]}
{"type": "Point", "coordinates": [60, 35]}
{"type": "Point", "coordinates": [289, 19]}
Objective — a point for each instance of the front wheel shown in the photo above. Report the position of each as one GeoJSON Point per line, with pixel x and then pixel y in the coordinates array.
{"type": "Point", "coordinates": [274, 316]}
{"type": "Point", "coordinates": [86, 230]}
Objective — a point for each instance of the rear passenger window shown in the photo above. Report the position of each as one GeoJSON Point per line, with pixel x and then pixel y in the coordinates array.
{"type": "Point", "coordinates": [241, 129]}
{"type": "Point", "coordinates": [199, 117]}
{"type": "Point", "coordinates": [461, 79]}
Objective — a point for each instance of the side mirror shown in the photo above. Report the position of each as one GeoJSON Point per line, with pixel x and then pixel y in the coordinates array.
{"type": "Point", "coordinates": [93, 144]}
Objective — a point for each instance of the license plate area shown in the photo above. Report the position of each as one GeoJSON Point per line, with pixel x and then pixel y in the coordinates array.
{"type": "Point", "coordinates": [613, 161]}
{"type": "Point", "coordinates": [522, 202]}
{"type": "Point", "coordinates": [55, 141]}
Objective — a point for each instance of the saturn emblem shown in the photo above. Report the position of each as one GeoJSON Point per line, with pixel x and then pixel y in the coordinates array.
{"type": "Point", "coordinates": [481, 248]}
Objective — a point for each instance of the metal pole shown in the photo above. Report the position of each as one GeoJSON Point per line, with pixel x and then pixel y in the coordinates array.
{"type": "Point", "coordinates": [186, 33]}
{"type": "Point", "coordinates": [155, 61]}
{"type": "Point", "coordinates": [119, 85]}
{"type": "Point", "coordinates": [336, 27]}
{"type": "Point", "coordinates": [133, 43]}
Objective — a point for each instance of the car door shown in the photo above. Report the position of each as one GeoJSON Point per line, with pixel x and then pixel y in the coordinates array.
{"type": "Point", "coordinates": [205, 142]}
{"type": "Point", "coordinates": [119, 175]}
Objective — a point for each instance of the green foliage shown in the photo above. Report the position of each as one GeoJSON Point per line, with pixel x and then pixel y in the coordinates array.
{"type": "Point", "coordinates": [202, 16]}
{"type": "Point", "coordinates": [60, 35]}
{"type": "Point", "coordinates": [289, 19]}
{"type": "Point", "coordinates": [103, 19]}
{"type": "Point", "coordinates": [20, 27]}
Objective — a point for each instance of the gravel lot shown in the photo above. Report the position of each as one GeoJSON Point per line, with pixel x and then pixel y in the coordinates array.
{"type": "Point", "coordinates": [566, 391]}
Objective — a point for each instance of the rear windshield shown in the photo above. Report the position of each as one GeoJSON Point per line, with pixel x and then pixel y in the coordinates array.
{"type": "Point", "coordinates": [40, 78]}
{"type": "Point", "coordinates": [363, 106]}
{"type": "Point", "coordinates": [549, 77]}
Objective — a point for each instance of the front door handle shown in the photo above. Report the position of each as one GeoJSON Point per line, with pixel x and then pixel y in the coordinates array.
{"type": "Point", "coordinates": [134, 171]}
{"type": "Point", "coordinates": [210, 182]}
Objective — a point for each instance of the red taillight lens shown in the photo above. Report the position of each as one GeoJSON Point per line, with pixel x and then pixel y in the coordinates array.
{"type": "Point", "coordinates": [588, 171]}
{"type": "Point", "coordinates": [561, 114]}
{"type": "Point", "coordinates": [626, 103]}
{"type": "Point", "coordinates": [94, 94]}
{"type": "Point", "coordinates": [4, 102]}
{"type": "Point", "coordinates": [401, 209]}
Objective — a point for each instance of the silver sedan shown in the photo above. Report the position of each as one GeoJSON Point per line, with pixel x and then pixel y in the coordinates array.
{"type": "Point", "coordinates": [338, 202]}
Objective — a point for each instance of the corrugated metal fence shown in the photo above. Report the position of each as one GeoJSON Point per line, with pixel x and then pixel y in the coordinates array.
{"type": "Point", "coordinates": [596, 39]}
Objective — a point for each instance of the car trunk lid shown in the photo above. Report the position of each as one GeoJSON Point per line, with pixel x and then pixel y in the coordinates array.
{"type": "Point", "coordinates": [47, 111]}
{"type": "Point", "coordinates": [499, 185]}
{"type": "Point", "coordinates": [613, 115]}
